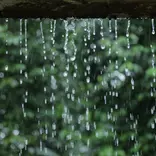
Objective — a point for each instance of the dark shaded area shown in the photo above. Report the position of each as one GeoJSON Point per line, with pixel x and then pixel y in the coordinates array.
{"type": "Point", "coordinates": [61, 9]}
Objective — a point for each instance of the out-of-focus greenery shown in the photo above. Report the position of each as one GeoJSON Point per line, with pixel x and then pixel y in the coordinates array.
{"type": "Point", "coordinates": [80, 91]}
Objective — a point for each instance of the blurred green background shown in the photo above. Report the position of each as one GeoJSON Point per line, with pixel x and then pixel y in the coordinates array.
{"type": "Point", "coordinates": [77, 87]}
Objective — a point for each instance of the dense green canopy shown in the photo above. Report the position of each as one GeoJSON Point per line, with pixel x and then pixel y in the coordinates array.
{"type": "Point", "coordinates": [77, 87]}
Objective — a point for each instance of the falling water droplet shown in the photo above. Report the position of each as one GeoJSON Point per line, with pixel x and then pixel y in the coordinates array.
{"type": "Point", "coordinates": [101, 28]}
{"type": "Point", "coordinates": [110, 25]}
{"type": "Point", "coordinates": [152, 125]}
{"type": "Point", "coordinates": [54, 29]}
{"type": "Point", "coordinates": [26, 144]}
{"type": "Point", "coordinates": [116, 29]}
{"type": "Point", "coordinates": [21, 52]}
{"type": "Point", "coordinates": [93, 46]}
{"type": "Point", "coordinates": [94, 28]}
{"type": "Point", "coordinates": [153, 26]}
{"type": "Point", "coordinates": [26, 40]}
{"type": "Point", "coordinates": [88, 30]}
{"type": "Point", "coordinates": [87, 126]}
{"type": "Point", "coordinates": [73, 58]}
{"type": "Point", "coordinates": [88, 79]}
{"type": "Point", "coordinates": [6, 41]}
{"type": "Point", "coordinates": [127, 34]}
{"type": "Point", "coordinates": [132, 83]}
{"type": "Point", "coordinates": [105, 99]}
{"type": "Point", "coordinates": [6, 68]}
{"type": "Point", "coordinates": [65, 74]}
{"type": "Point", "coordinates": [41, 146]}
{"type": "Point", "coordinates": [66, 37]}
{"type": "Point", "coordinates": [43, 40]}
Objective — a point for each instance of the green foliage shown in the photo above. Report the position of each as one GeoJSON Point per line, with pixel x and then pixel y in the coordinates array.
{"type": "Point", "coordinates": [93, 95]}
